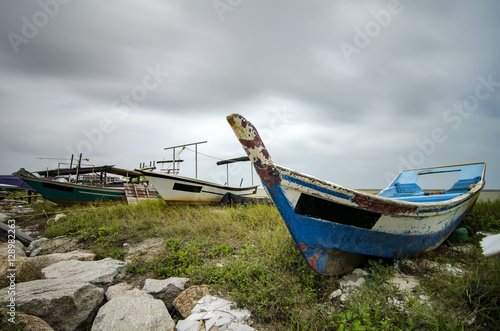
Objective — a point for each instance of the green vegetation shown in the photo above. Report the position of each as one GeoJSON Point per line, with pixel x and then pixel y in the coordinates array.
{"type": "Point", "coordinates": [247, 254]}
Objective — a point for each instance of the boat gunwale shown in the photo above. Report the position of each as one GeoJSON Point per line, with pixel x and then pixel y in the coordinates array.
{"type": "Point", "coordinates": [421, 206]}
{"type": "Point", "coordinates": [73, 185]}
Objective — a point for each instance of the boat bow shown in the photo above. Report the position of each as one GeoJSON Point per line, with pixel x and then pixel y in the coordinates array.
{"type": "Point", "coordinates": [254, 147]}
{"type": "Point", "coordinates": [334, 226]}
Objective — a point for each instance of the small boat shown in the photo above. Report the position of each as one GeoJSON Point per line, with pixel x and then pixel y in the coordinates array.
{"type": "Point", "coordinates": [185, 190]}
{"type": "Point", "coordinates": [336, 228]}
{"type": "Point", "coordinates": [56, 188]}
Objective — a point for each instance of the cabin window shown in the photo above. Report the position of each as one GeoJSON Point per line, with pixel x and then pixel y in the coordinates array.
{"type": "Point", "coordinates": [58, 187]}
{"type": "Point", "coordinates": [187, 188]}
{"type": "Point", "coordinates": [330, 211]}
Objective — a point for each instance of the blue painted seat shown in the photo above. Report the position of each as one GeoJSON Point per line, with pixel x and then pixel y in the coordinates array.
{"type": "Point", "coordinates": [462, 186]}
{"type": "Point", "coordinates": [408, 189]}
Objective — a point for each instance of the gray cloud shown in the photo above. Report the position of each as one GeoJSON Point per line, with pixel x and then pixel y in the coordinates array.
{"type": "Point", "coordinates": [349, 119]}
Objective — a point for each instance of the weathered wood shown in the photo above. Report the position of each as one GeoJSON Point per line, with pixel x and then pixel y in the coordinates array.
{"type": "Point", "coordinates": [137, 192]}
{"type": "Point", "coordinates": [24, 238]}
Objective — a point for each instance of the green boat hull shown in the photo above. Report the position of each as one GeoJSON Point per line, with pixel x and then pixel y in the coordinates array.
{"type": "Point", "coordinates": [67, 193]}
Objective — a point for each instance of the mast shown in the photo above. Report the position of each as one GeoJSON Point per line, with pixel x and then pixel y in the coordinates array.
{"type": "Point", "coordinates": [195, 155]}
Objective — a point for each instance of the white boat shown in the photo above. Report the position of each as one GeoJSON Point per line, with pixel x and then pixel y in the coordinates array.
{"type": "Point", "coordinates": [184, 190]}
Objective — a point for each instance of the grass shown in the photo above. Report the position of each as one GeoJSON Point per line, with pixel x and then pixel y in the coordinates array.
{"type": "Point", "coordinates": [246, 253]}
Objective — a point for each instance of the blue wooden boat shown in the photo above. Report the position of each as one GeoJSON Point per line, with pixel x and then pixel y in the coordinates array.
{"type": "Point", "coordinates": [336, 227]}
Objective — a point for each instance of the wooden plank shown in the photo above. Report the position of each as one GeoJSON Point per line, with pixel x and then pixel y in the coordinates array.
{"type": "Point", "coordinates": [24, 238]}
{"type": "Point", "coordinates": [137, 192]}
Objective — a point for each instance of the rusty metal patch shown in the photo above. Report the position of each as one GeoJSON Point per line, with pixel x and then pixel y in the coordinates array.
{"type": "Point", "coordinates": [382, 206]}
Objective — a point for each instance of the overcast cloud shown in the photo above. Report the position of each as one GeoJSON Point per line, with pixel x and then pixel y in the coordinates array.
{"type": "Point", "coordinates": [348, 91]}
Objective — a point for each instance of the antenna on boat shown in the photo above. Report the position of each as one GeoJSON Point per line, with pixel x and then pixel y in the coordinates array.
{"type": "Point", "coordinates": [195, 155]}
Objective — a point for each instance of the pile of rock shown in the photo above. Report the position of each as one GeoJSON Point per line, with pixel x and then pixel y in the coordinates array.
{"type": "Point", "coordinates": [67, 289]}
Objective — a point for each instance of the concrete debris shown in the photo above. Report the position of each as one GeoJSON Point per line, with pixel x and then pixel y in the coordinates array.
{"type": "Point", "coordinates": [212, 313]}
{"type": "Point", "coordinates": [348, 284]}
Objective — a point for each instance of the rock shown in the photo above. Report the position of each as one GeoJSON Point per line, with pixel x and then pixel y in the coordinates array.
{"type": "Point", "coordinates": [425, 266]}
{"type": "Point", "coordinates": [216, 313]}
{"type": "Point", "coordinates": [60, 244]}
{"type": "Point", "coordinates": [42, 261]}
{"type": "Point", "coordinates": [6, 248]}
{"type": "Point", "coordinates": [133, 310]}
{"type": "Point", "coordinates": [404, 283]}
{"type": "Point", "coordinates": [101, 273]}
{"type": "Point", "coordinates": [22, 269]}
{"type": "Point", "coordinates": [407, 287]}
{"type": "Point", "coordinates": [13, 257]}
{"type": "Point", "coordinates": [65, 304]}
{"type": "Point", "coordinates": [34, 248]}
{"type": "Point", "coordinates": [166, 290]}
{"type": "Point", "coordinates": [348, 284]}
{"type": "Point", "coordinates": [187, 300]}
{"type": "Point", "coordinates": [118, 289]}
{"type": "Point", "coordinates": [28, 322]}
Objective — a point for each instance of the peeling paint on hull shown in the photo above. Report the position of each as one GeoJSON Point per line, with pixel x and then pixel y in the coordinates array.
{"type": "Point", "coordinates": [336, 227]}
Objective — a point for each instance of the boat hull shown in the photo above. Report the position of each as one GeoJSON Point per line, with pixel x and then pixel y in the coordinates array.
{"type": "Point", "coordinates": [331, 247]}
{"type": "Point", "coordinates": [183, 190]}
{"type": "Point", "coordinates": [68, 193]}
{"type": "Point", "coordinates": [336, 227]}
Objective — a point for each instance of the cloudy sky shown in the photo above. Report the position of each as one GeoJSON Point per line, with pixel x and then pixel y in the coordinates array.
{"type": "Point", "coordinates": [348, 91]}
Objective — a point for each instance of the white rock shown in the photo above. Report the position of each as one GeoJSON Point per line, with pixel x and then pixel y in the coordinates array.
{"type": "Point", "coordinates": [60, 244]}
{"type": "Point", "coordinates": [100, 272]}
{"type": "Point", "coordinates": [65, 304]}
{"type": "Point", "coordinates": [118, 289]}
{"type": "Point", "coordinates": [360, 272]}
{"type": "Point", "coordinates": [43, 261]}
{"type": "Point", "coordinates": [133, 310]}
{"type": "Point", "coordinates": [335, 294]}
